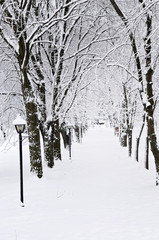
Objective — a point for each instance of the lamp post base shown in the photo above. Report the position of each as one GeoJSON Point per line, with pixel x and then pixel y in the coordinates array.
{"type": "Point", "coordinates": [22, 204]}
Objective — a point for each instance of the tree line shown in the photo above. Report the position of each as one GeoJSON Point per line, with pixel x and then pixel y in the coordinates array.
{"type": "Point", "coordinates": [59, 53]}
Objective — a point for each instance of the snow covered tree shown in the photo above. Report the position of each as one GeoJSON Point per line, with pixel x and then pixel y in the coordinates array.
{"type": "Point", "coordinates": [50, 43]}
{"type": "Point", "coordinates": [145, 66]}
{"type": "Point", "coordinates": [23, 25]}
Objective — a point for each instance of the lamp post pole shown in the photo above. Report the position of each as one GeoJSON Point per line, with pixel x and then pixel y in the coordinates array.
{"type": "Point", "coordinates": [19, 124]}
{"type": "Point", "coordinates": [21, 169]}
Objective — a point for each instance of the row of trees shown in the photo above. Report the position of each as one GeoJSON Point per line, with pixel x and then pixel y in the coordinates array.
{"type": "Point", "coordinates": [61, 54]}
{"type": "Point", "coordinates": [47, 48]}
{"type": "Point", "coordinates": [140, 27]}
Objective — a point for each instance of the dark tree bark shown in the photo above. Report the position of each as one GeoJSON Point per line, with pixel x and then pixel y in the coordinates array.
{"type": "Point", "coordinates": [77, 133]}
{"type": "Point", "coordinates": [123, 138]}
{"type": "Point", "coordinates": [33, 128]}
{"type": "Point", "coordinates": [147, 154]}
{"type": "Point", "coordinates": [47, 134]}
{"type": "Point", "coordinates": [129, 120]}
{"type": "Point", "coordinates": [138, 139]}
{"type": "Point", "coordinates": [64, 136]}
{"type": "Point", "coordinates": [130, 142]}
{"type": "Point", "coordinates": [57, 141]}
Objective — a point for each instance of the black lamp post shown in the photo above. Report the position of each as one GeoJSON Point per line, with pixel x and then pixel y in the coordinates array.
{"type": "Point", "coordinates": [19, 124]}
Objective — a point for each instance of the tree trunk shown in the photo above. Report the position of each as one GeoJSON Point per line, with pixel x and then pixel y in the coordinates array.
{"type": "Point", "coordinates": [150, 96]}
{"type": "Point", "coordinates": [57, 140]}
{"type": "Point", "coordinates": [154, 146]}
{"type": "Point", "coordinates": [123, 138]}
{"type": "Point", "coordinates": [64, 137]}
{"type": "Point", "coordinates": [147, 153]}
{"type": "Point", "coordinates": [34, 136]}
{"type": "Point", "coordinates": [32, 122]}
{"type": "Point", "coordinates": [47, 134]}
{"type": "Point", "coordinates": [46, 128]}
{"type": "Point", "coordinates": [29, 102]}
{"type": "Point", "coordinates": [137, 148]}
{"type": "Point", "coordinates": [77, 133]}
{"type": "Point", "coordinates": [138, 139]}
{"type": "Point", "coordinates": [129, 142]}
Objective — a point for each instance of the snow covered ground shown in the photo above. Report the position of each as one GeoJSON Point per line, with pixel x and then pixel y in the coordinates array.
{"type": "Point", "coordinates": [100, 194]}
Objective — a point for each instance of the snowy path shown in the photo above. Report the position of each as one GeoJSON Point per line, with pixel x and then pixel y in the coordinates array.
{"type": "Point", "coordinates": [100, 194]}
